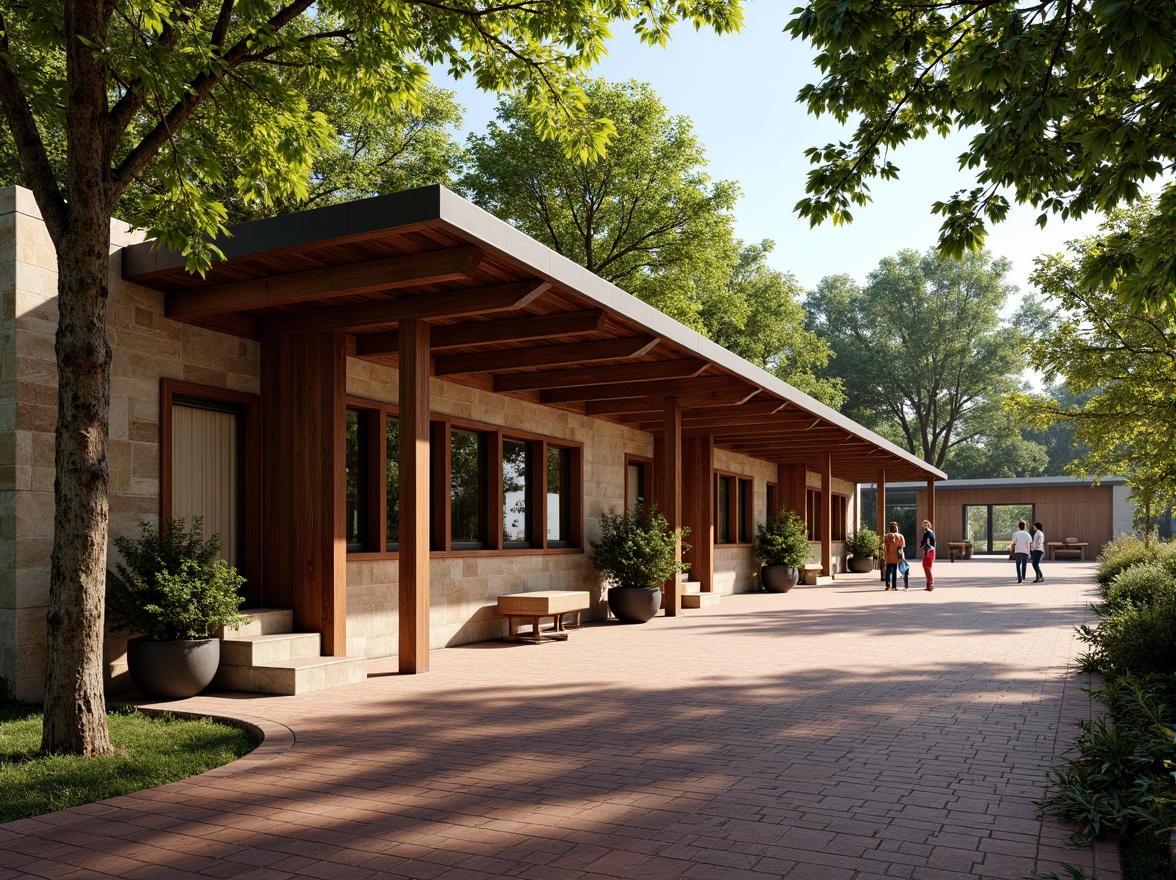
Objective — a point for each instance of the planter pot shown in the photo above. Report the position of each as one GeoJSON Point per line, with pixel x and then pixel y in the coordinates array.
{"type": "Point", "coordinates": [860, 564]}
{"type": "Point", "coordinates": [634, 604]}
{"type": "Point", "coordinates": [779, 578]}
{"type": "Point", "coordinates": [172, 670]}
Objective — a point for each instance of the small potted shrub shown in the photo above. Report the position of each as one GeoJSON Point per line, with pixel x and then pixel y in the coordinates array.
{"type": "Point", "coordinates": [636, 555]}
{"type": "Point", "coordinates": [172, 588]}
{"type": "Point", "coordinates": [863, 546]}
{"type": "Point", "coordinates": [781, 545]}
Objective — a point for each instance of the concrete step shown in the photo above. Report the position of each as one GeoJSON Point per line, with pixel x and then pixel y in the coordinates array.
{"type": "Point", "coordinates": [700, 600]}
{"type": "Point", "coordinates": [272, 648]}
{"type": "Point", "coordinates": [303, 675]}
{"type": "Point", "coordinates": [265, 621]}
{"type": "Point", "coordinates": [691, 587]}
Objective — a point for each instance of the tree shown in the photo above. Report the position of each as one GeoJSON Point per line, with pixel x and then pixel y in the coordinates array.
{"type": "Point", "coordinates": [1118, 365]}
{"type": "Point", "coordinates": [1071, 104]}
{"type": "Point", "coordinates": [922, 350]}
{"type": "Point", "coordinates": [137, 90]}
{"type": "Point", "coordinates": [646, 216]}
{"type": "Point", "coordinates": [758, 315]}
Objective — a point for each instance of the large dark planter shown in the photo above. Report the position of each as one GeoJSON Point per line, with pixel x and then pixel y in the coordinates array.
{"type": "Point", "coordinates": [860, 564]}
{"type": "Point", "coordinates": [634, 604]}
{"type": "Point", "coordinates": [172, 670]}
{"type": "Point", "coordinates": [779, 578]}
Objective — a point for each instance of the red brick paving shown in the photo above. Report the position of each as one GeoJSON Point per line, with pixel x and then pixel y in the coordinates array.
{"type": "Point", "coordinates": [833, 733]}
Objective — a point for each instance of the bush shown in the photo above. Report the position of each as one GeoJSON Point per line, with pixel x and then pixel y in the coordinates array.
{"type": "Point", "coordinates": [172, 586]}
{"type": "Point", "coordinates": [1135, 639]}
{"type": "Point", "coordinates": [864, 544]}
{"type": "Point", "coordinates": [1146, 584]}
{"type": "Point", "coordinates": [637, 549]}
{"type": "Point", "coordinates": [782, 540]}
{"type": "Point", "coordinates": [1122, 553]}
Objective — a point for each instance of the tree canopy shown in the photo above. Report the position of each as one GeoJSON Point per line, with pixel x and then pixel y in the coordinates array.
{"type": "Point", "coordinates": [1118, 365]}
{"type": "Point", "coordinates": [923, 351]}
{"type": "Point", "coordinates": [645, 216]}
{"type": "Point", "coordinates": [1069, 103]}
{"type": "Point", "coordinates": [146, 92]}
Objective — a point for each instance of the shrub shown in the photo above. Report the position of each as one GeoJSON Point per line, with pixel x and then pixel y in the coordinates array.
{"type": "Point", "coordinates": [782, 540]}
{"type": "Point", "coordinates": [1137, 639]}
{"type": "Point", "coordinates": [172, 586]}
{"type": "Point", "coordinates": [864, 544]}
{"type": "Point", "coordinates": [637, 549]}
{"type": "Point", "coordinates": [1145, 584]}
{"type": "Point", "coordinates": [1122, 553]}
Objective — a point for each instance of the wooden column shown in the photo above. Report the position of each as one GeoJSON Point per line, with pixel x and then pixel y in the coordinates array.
{"type": "Point", "coordinates": [414, 496]}
{"type": "Point", "coordinates": [827, 515]}
{"type": "Point", "coordinates": [792, 488]}
{"type": "Point", "coordinates": [670, 493]}
{"type": "Point", "coordinates": [698, 509]}
{"type": "Point", "coordinates": [304, 386]}
{"type": "Point", "coordinates": [881, 499]}
{"type": "Point", "coordinates": [931, 501]}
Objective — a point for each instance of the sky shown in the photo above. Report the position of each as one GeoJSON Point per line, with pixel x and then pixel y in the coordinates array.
{"type": "Point", "coordinates": [740, 92]}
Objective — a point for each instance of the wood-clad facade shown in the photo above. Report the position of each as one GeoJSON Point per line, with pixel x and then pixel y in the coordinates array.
{"type": "Point", "coordinates": [438, 411]}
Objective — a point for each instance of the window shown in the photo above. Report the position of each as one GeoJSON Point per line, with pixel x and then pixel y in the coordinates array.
{"type": "Point", "coordinates": [734, 513]}
{"type": "Point", "coordinates": [771, 507]}
{"type": "Point", "coordinates": [467, 490]}
{"type": "Point", "coordinates": [638, 482]}
{"type": "Point", "coordinates": [488, 491]}
{"type": "Point", "coordinates": [838, 527]}
{"type": "Point", "coordinates": [813, 514]}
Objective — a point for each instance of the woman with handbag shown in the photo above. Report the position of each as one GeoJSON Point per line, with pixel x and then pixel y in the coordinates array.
{"type": "Point", "coordinates": [892, 545]}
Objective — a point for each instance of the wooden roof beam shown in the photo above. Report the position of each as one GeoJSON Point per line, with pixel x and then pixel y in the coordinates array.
{"type": "Point", "coordinates": [470, 301]}
{"type": "Point", "coordinates": [488, 332]}
{"type": "Point", "coordinates": [545, 356]}
{"type": "Point", "coordinates": [604, 375]}
{"type": "Point", "coordinates": [451, 264]}
{"type": "Point", "coordinates": [696, 387]}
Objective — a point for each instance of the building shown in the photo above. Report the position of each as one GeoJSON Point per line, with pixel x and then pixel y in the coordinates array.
{"type": "Point", "coordinates": [395, 410]}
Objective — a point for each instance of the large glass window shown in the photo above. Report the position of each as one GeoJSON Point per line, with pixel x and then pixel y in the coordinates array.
{"type": "Point", "coordinates": [990, 526]}
{"type": "Point", "coordinates": [516, 493]}
{"type": "Point", "coordinates": [392, 483]}
{"type": "Point", "coordinates": [723, 516]}
{"type": "Point", "coordinates": [637, 483]}
{"type": "Point", "coordinates": [467, 492]}
{"type": "Point", "coordinates": [559, 496]}
{"type": "Point", "coordinates": [743, 513]}
{"type": "Point", "coordinates": [356, 463]}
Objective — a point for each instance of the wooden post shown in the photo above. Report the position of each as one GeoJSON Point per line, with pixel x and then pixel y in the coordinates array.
{"type": "Point", "coordinates": [881, 499]}
{"type": "Point", "coordinates": [931, 501]}
{"type": "Point", "coordinates": [827, 516]}
{"type": "Point", "coordinates": [791, 489]}
{"type": "Point", "coordinates": [698, 509]}
{"type": "Point", "coordinates": [414, 496]}
{"type": "Point", "coordinates": [670, 492]}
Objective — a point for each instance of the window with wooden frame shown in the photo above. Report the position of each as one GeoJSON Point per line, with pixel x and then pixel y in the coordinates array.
{"type": "Point", "coordinates": [638, 481]}
{"type": "Point", "coordinates": [770, 510]}
{"type": "Point", "coordinates": [734, 511]}
{"type": "Point", "coordinates": [837, 532]}
{"type": "Point", "coordinates": [489, 489]}
{"type": "Point", "coordinates": [813, 513]}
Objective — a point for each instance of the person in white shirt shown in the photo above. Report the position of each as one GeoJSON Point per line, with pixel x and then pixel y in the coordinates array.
{"type": "Point", "coordinates": [1037, 551]}
{"type": "Point", "coordinates": [1022, 544]}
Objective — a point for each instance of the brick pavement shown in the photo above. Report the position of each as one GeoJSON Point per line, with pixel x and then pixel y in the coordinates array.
{"type": "Point", "coordinates": [833, 733]}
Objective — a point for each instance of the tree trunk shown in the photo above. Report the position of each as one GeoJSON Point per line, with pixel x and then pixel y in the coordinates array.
{"type": "Point", "coordinates": [75, 706]}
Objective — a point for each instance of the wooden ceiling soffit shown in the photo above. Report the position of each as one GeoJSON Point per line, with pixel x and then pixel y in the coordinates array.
{"type": "Point", "coordinates": [545, 355]}
{"type": "Point", "coordinates": [783, 433]}
{"type": "Point", "coordinates": [640, 407]}
{"type": "Point", "coordinates": [603, 375]}
{"type": "Point", "coordinates": [451, 264]}
{"type": "Point", "coordinates": [488, 332]}
{"type": "Point", "coordinates": [470, 301]}
{"type": "Point", "coordinates": [748, 413]}
{"type": "Point", "coordinates": [698, 387]}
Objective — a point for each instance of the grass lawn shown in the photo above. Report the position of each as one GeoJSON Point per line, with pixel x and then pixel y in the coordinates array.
{"type": "Point", "coordinates": [151, 750]}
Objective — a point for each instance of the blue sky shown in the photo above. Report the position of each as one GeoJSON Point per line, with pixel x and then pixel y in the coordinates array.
{"type": "Point", "coordinates": [740, 92]}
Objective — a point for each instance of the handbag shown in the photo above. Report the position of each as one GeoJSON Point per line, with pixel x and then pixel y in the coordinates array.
{"type": "Point", "coordinates": [903, 567]}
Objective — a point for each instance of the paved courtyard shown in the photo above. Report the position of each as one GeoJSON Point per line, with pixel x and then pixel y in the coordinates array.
{"type": "Point", "coordinates": [832, 733]}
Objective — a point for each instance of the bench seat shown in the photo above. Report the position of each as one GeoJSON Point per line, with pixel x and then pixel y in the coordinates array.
{"type": "Point", "coordinates": [809, 572]}
{"type": "Point", "coordinates": [521, 608]}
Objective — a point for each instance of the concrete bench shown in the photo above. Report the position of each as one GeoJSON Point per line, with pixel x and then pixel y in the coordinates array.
{"type": "Point", "coordinates": [531, 608]}
{"type": "Point", "coordinates": [809, 572]}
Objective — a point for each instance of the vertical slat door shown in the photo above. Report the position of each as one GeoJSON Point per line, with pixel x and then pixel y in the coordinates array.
{"type": "Point", "coordinates": [206, 474]}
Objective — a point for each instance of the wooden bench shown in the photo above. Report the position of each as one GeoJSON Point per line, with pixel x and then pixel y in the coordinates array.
{"type": "Point", "coordinates": [809, 572]}
{"type": "Point", "coordinates": [959, 550]}
{"type": "Point", "coordinates": [1065, 550]}
{"type": "Point", "coordinates": [1066, 553]}
{"type": "Point", "coordinates": [533, 607]}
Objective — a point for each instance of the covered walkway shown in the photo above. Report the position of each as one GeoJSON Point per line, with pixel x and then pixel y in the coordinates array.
{"type": "Point", "coordinates": [833, 733]}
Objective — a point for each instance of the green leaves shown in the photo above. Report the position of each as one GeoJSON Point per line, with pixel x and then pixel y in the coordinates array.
{"type": "Point", "coordinates": [637, 549]}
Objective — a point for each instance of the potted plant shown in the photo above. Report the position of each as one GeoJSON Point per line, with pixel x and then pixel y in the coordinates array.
{"type": "Point", "coordinates": [781, 545]}
{"type": "Point", "coordinates": [171, 587]}
{"type": "Point", "coordinates": [636, 554]}
{"type": "Point", "coordinates": [863, 546]}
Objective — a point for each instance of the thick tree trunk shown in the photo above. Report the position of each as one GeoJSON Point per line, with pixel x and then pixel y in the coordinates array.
{"type": "Point", "coordinates": [75, 707]}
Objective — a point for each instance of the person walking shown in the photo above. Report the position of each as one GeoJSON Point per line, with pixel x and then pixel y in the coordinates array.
{"type": "Point", "coordinates": [928, 546]}
{"type": "Point", "coordinates": [1019, 550]}
{"type": "Point", "coordinates": [1037, 550]}
{"type": "Point", "coordinates": [892, 545]}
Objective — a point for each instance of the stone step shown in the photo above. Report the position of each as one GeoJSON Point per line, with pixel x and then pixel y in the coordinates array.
{"type": "Point", "coordinates": [292, 677]}
{"type": "Point", "coordinates": [271, 648]}
{"type": "Point", "coordinates": [265, 622]}
{"type": "Point", "coordinates": [691, 587]}
{"type": "Point", "coordinates": [700, 600]}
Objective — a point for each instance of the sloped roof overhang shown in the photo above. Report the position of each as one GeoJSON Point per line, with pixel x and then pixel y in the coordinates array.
{"type": "Point", "coordinates": [510, 316]}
